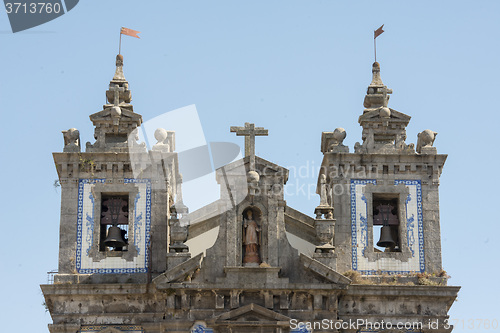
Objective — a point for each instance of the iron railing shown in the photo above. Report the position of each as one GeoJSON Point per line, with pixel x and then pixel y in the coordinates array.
{"type": "Point", "coordinates": [50, 276]}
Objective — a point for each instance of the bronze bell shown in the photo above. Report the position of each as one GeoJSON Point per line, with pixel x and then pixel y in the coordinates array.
{"type": "Point", "coordinates": [386, 237]}
{"type": "Point", "coordinates": [114, 238]}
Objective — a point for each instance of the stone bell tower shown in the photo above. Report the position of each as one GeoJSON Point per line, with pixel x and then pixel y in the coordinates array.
{"type": "Point", "coordinates": [385, 194]}
{"type": "Point", "coordinates": [116, 196]}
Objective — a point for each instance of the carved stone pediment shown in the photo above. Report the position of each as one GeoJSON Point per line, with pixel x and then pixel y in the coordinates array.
{"type": "Point", "coordinates": [395, 116]}
{"type": "Point", "coordinates": [263, 179]}
{"type": "Point", "coordinates": [252, 314]}
{"type": "Point", "coordinates": [126, 115]}
{"type": "Point", "coordinates": [261, 165]}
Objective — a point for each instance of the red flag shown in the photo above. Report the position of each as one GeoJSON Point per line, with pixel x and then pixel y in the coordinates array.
{"type": "Point", "coordinates": [378, 32]}
{"type": "Point", "coordinates": [129, 32]}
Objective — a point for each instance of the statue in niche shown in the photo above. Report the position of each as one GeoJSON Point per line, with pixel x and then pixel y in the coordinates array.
{"type": "Point", "coordinates": [251, 240]}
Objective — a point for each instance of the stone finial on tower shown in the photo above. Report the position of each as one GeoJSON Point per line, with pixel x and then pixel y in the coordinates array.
{"type": "Point", "coordinates": [425, 141]}
{"type": "Point", "coordinates": [333, 141]}
{"type": "Point", "coordinates": [377, 95]}
{"type": "Point", "coordinates": [116, 125]}
{"type": "Point", "coordinates": [166, 140]}
{"type": "Point", "coordinates": [118, 93]}
{"type": "Point", "coordinates": [119, 69]}
{"type": "Point", "coordinates": [71, 140]}
{"type": "Point", "coordinates": [384, 129]}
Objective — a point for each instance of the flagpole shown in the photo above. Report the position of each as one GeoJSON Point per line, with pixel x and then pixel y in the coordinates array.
{"type": "Point", "coordinates": [120, 47]}
{"type": "Point", "coordinates": [376, 33]}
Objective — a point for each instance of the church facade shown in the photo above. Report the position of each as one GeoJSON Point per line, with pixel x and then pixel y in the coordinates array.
{"type": "Point", "coordinates": [125, 266]}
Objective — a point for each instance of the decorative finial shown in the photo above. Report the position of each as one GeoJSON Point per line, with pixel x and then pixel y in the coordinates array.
{"type": "Point", "coordinates": [165, 140]}
{"type": "Point", "coordinates": [117, 117]}
{"type": "Point", "coordinates": [425, 141]}
{"type": "Point", "coordinates": [332, 142]}
{"type": "Point", "coordinates": [119, 69]}
{"type": "Point", "coordinates": [71, 140]}
{"type": "Point", "coordinates": [376, 80]}
{"type": "Point", "coordinates": [118, 92]}
{"type": "Point", "coordinates": [377, 95]}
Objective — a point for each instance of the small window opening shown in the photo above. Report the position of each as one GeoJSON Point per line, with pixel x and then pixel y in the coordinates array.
{"type": "Point", "coordinates": [386, 223]}
{"type": "Point", "coordinates": [114, 223]}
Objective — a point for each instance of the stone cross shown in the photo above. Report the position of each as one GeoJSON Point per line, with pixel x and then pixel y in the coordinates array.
{"type": "Point", "coordinates": [386, 91]}
{"type": "Point", "coordinates": [250, 132]}
{"type": "Point", "coordinates": [116, 89]}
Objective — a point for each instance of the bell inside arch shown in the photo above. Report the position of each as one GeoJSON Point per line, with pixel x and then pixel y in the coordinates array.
{"type": "Point", "coordinates": [114, 238]}
{"type": "Point", "coordinates": [386, 239]}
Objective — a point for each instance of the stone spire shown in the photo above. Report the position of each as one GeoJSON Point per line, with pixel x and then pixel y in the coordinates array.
{"type": "Point", "coordinates": [116, 124]}
{"type": "Point", "coordinates": [118, 93]}
{"type": "Point", "coordinates": [384, 129]}
{"type": "Point", "coordinates": [119, 69]}
{"type": "Point", "coordinates": [377, 94]}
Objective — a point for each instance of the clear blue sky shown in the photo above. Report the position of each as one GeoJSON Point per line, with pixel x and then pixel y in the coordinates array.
{"type": "Point", "coordinates": [295, 67]}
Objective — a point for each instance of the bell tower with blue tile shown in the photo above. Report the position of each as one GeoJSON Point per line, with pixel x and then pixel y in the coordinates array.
{"type": "Point", "coordinates": [385, 194]}
{"type": "Point", "coordinates": [117, 196]}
